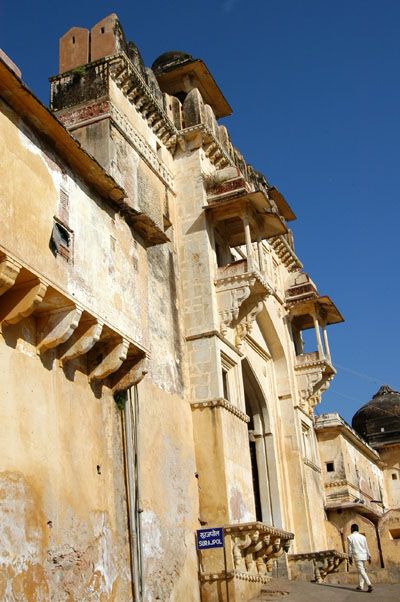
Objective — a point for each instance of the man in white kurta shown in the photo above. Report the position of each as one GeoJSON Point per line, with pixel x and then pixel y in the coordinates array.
{"type": "Point", "coordinates": [359, 552]}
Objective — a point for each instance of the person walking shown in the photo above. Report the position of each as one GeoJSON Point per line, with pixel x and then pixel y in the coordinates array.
{"type": "Point", "coordinates": [359, 552]}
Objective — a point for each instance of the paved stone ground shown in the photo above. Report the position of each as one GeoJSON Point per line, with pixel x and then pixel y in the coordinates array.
{"type": "Point", "coordinates": [300, 591]}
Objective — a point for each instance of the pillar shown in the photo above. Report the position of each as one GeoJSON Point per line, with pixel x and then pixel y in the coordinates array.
{"type": "Point", "coordinates": [319, 341]}
{"type": "Point", "coordinates": [247, 236]}
{"type": "Point", "coordinates": [326, 343]}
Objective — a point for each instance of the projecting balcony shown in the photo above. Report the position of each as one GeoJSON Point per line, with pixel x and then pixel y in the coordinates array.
{"type": "Point", "coordinates": [247, 216]}
{"type": "Point", "coordinates": [341, 494]}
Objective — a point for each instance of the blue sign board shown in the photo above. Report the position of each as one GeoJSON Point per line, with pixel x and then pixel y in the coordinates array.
{"type": "Point", "coordinates": [210, 538]}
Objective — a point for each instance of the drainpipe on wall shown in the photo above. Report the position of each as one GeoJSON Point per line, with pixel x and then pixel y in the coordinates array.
{"type": "Point", "coordinates": [130, 432]}
{"type": "Point", "coordinates": [131, 467]}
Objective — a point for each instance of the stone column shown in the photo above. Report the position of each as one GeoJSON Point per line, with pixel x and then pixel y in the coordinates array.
{"type": "Point", "coordinates": [260, 253]}
{"type": "Point", "coordinates": [318, 335]}
{"type": "Point", "coordinates": [249, 248]}
{"type": "Point", "coordinates": [326, 343]}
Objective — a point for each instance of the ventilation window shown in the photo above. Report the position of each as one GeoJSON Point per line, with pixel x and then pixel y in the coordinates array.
{"type": "Point", "coordinates": [102, 29]}
{"type": "Point", "coordinates": [225, 384]}
{"type": "Point", "coordinates": [394, 476]}
{"type": "Point", "coordinates": [330, 467]}
{"type": "Point", "coordinates": [61, 240]}
{"type": "Point", "coordinates": [228, 375]}
{"type": "Point", "coordinates": [382, 429]}
{"type": "Point", "coordinates": [394, 533]}
{"type": "Point", "coordinates": [73, 39]}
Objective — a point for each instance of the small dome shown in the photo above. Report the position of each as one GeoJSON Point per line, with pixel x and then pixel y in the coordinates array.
{"type": "Point", "coordinates": [378, 421]}
{"type": "Point", "coordinates": [170, 59]}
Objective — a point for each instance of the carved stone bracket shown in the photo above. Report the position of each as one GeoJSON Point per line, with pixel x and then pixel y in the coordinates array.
{"type": "Point", "coordinates": [70, 329]}
{"type": "Point", "coordinates": [83, 339]}
{"type": "Point", "coordinates": [55, 329]}
{"type": "Point", "coordinates": [108, 358]}
{"type": "Point", "coordinates": [235, 286]}
{"type": "Point", "coordinates": [314, 377]}
{"type": "Point", "coordinates": [324, 562]}
{"type": "Point", "coordinates": [245, 325]}
{"type": "Point", "coordinates": [21, 300]}
{"type": "Point", "coordinates": [231, 299]}
{"type": "Point", "coordinates": [9, 271]}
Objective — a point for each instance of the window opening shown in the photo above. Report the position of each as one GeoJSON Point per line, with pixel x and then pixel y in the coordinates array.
{"type": "Point", "coordinates": [225, 384]}
{"type": "Point", "coordinates": [330, 467]}
{"type": "Point", "coordinates": [61, 240]}
{"type": "Point", "coordinates": [394, 476]}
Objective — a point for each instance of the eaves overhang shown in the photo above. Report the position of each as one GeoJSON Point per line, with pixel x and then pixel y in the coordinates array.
{"type": "Point", "coordinates": [170, 81]}
{"type": "Point", "coordinates": [283, 206]}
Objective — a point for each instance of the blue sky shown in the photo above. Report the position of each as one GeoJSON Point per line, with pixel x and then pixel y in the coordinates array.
{"type": "Point", "coordinates": [315, 90]}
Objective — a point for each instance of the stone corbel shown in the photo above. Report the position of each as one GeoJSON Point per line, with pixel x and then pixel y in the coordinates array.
{"type": "Point", "coordinates": [20, 301]}
{"type": "Point", "coordinates": [55, 328]}
{"type": "Point", "coordinates": [107, 357]}
{"type": "Point", "coordinates": [9, 271]}
{"type": "Point", "coordinates": [245, 325]}
{"type": "Point", "coordinates": [112, 354]}
{"type": "Point", "coordinates": [231, 300]}
{"type": "Point", "coordinates": [82, 340]}
{"type": "Point", "coordinates": [132, 371]}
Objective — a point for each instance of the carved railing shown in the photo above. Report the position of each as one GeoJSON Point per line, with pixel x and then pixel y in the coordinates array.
{"type": "Point", "coordinates": [251, 550]}
{"type": "Point", "coordinates": [324, 562]}
{"type": "Point", "coordinates": [66, 326]}
{"type": "Point", "coordinates": [255, 546]}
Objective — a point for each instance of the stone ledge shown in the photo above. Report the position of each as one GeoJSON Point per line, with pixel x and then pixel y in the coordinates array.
{"type": "Point", "coordinates": [221, 403]}
{"type": "Point", "coordinates": [240, 575]}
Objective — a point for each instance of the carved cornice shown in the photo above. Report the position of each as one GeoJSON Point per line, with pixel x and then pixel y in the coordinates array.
{"type": "Point", "coordinates": [221, 403]}
{"type": "Point", "coordinates": [285, 253]}
{"type": "Point", "coordinates": [200, 136]}
{"type": "Point", "coordinates": [130, 81]}
{"type": "Point", "coordinates": [142, 147]}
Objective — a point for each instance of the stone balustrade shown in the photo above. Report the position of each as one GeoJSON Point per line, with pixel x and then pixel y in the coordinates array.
{"type": "Point", "coordinates": [324, 562]}
{"type": "Point", "coordinates": [251, 551]}
{"type": "Point", "coordinates": [255, 546]}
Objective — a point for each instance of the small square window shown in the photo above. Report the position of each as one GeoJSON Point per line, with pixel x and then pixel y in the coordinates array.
{"type": "Point", "coordinates": [330, 467]}
{"type": "Point", "coordinates": [61, 240]}
{"type": "Point", "coordinates": [394, 476]}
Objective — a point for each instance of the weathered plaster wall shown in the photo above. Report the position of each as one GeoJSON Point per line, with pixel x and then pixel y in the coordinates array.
{"type": "Point", "coordinates": [62, 492]}
{"type": "Point", "coordinates": [390, 455]}
{"type": "Point", "coordinates": [169, 496]}
{"type": "Point", "coordinates": [106, 258]}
